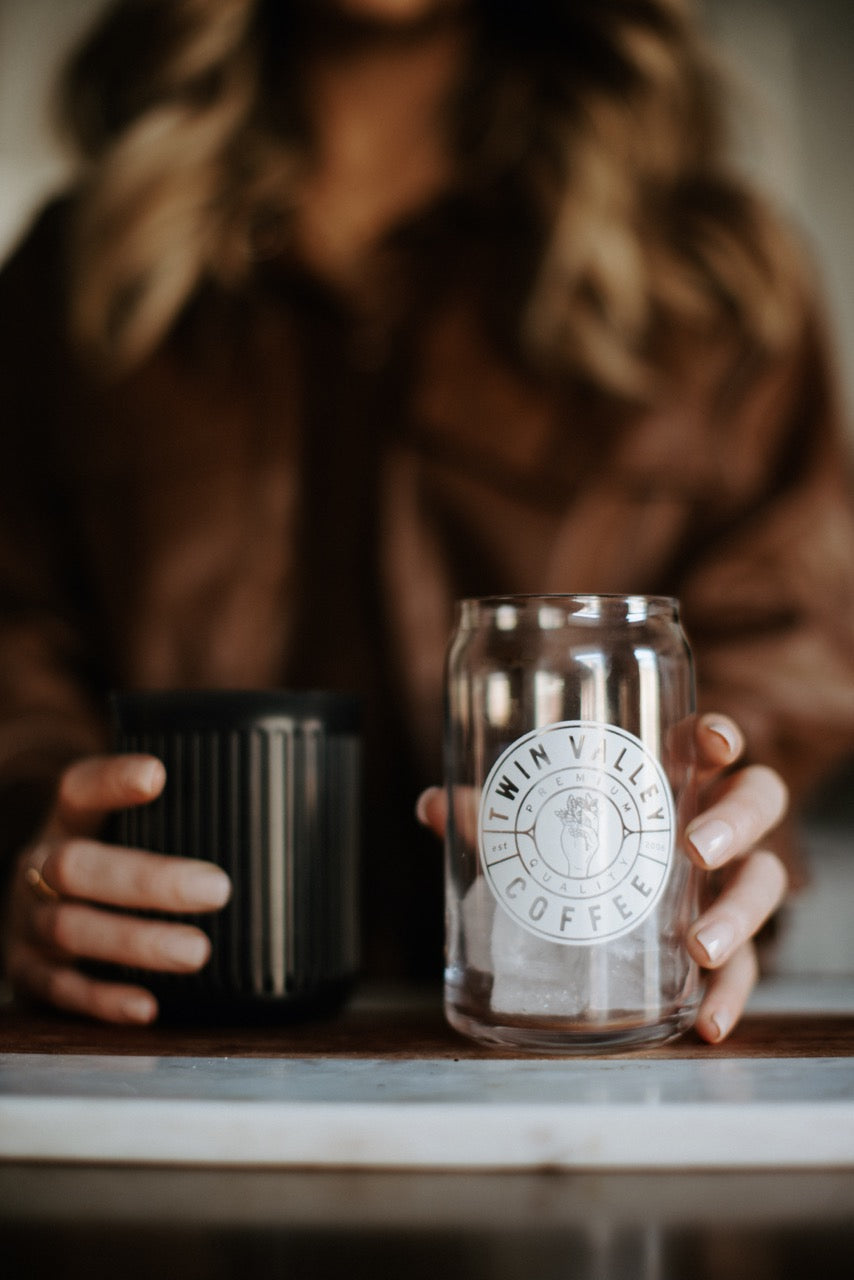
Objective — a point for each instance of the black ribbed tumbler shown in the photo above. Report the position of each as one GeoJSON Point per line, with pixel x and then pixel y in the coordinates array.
{"type": "Point", "coordinates": [266, 785]}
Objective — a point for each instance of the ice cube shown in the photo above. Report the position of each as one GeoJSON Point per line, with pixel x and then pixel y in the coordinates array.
{"type": "Point", "coordinates": [533, 976]}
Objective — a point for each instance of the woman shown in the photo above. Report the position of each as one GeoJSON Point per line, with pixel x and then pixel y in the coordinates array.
{"type": "Point", "coordinates": [359, 307]}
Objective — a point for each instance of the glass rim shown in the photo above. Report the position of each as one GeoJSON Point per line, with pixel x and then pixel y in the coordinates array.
{"type": "Point", "coordinates": [522, 599]}
{"type": "Point", "coordinates": [551, 611]}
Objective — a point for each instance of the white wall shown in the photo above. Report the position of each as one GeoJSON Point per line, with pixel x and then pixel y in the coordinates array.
{"type": "Point", "coordinates": [34, 36]}
{"type": "Point", "coordinates": [793, 117]}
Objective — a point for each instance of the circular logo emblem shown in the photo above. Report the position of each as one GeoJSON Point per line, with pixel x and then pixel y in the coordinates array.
{"type": "Point", "coordinates": [576, 831]}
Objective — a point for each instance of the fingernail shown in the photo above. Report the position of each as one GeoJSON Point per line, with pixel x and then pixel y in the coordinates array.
{"type": "Point", "coordinates": [139, 1008]}
{"type": "Point", "coordinates": [711, 839]}
{"type": "Point", "coordinates": [209, 889]}
{"type": "Point", "coordinates": [186, 951]}
{"type": "Point", "coordinates": [716, 939]}
{"type": "Point", "coordinates": [422, 805]}
{"type": "Point", "coordinates": [151, 775]}
{"type": "Point", "coordinates": [721, 1021]}
{"type": "Point", "coordinates": [725, 731]}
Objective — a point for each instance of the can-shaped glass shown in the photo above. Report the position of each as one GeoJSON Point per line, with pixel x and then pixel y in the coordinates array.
{"type": "Point", "coordinates": [570, 776]}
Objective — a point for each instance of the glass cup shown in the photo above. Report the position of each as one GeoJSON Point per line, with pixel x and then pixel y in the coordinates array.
{"type": "Point", "coordinates": [571, 777]}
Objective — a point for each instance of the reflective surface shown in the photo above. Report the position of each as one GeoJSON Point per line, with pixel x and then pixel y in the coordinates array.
{"type": "Point", "coordinates": [217, 1224]}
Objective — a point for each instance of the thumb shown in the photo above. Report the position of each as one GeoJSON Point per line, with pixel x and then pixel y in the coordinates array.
{"type": "Point", "coordinates": [96, 785]}
{"type": "Point", "coordinates": [431, 810]}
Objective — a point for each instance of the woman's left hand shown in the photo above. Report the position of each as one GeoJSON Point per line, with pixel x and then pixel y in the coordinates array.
{"type": "Point", "coordinates": [738, 809]}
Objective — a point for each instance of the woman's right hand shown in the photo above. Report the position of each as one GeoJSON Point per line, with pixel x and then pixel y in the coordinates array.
{"type": "Point", "coordinates": [66, 878]}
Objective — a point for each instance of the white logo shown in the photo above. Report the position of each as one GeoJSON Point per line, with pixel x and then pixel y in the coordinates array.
{"type": "Point", "coordinates": [576, 831]}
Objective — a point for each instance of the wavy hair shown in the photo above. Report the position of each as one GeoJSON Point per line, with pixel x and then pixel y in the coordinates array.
{"type": "Point", "coordinates": [608, 111]}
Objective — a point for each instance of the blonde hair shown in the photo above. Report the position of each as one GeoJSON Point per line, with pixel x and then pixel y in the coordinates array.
{"type": "Point", "coordinates": [162, 103]}
{"type": "Point", "coordinates": [607, 109]}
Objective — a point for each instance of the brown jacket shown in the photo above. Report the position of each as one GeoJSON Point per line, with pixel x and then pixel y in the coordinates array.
{"type": "Point", "coordinates": [291, 493]}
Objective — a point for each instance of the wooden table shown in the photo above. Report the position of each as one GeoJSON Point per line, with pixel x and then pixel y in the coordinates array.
{"type": "Point", "coordinates": [394, 1024]}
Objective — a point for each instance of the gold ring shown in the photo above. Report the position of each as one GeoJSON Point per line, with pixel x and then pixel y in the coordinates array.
{"type": "Point", "coordinates": [39, 885]}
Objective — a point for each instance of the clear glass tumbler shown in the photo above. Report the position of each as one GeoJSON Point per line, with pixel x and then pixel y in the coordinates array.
{"type": "Point", "coordinates": [570, 775]}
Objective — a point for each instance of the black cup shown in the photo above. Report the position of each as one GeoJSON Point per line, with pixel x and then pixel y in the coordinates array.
{"type": "Point", "coordinates": [266, 785]}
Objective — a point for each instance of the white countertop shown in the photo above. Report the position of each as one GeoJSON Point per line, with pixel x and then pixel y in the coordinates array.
{"type": "Point", "coordinates": [629, 1112]}
{"type": "Point", "coordinates": [429, 1113]}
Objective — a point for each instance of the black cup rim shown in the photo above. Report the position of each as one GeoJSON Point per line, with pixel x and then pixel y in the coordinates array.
{"type": "Point", "coordinates": [159, 709]}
